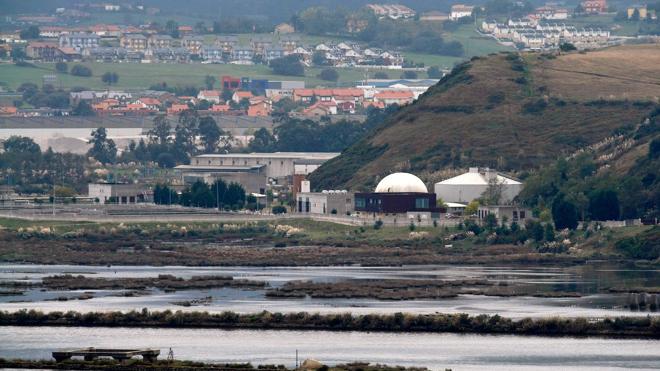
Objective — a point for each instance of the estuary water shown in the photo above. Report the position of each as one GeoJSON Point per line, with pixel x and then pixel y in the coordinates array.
{"type": "Point", "coordinates": [435, 351]}
{"type": "Point", "coordinates": [589, 280]}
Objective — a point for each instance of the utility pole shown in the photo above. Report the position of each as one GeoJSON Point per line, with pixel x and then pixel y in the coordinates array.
{"type": "Point", "coordinates": [297, 358]}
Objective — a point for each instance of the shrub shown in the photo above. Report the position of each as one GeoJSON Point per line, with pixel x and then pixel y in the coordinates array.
{"type": "Point", "coordinates": [80, 70]}
{"type": "Point", "coordinates": [535, 107]}
{"type": "Point", "coordinates": [381, 75]}
{"type": "Point", "coordinates": [61, 67]}
{"type": "Point", "coordinates": [378, 224]}
{"type": "Point", "coordinates": [279, 209]}
{"type": "Point", "coordinates": [329, 74]}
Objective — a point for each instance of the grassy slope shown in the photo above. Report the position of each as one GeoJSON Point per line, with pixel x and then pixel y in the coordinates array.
{"type": "Point", "coordinates": [436, 133]}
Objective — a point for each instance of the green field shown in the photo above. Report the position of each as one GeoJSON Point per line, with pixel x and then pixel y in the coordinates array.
{"type": "Point", "coordinates": [141, 76]}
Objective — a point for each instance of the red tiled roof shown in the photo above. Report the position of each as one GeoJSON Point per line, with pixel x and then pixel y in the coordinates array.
{"type": "Point", "coordinates": [394, 94]}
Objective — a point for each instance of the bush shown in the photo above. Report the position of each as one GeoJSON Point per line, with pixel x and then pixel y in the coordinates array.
{"type": "Point", "coordinates": [409, 75]}
{"type": "Point", "coordinates": [434, 72]}
{"type": "Point", "coordinates": [279, 209]}
{"type": "Point", "coordinates": [378, 224]}
{"type": "Point", "coordinates": [329, 74]}
{"type": "Point", "coordinates": [289, 65]}
{"type": "Point", "coordinates": [381, 76]}
{"type": "Point", "coordinates": [80, 70]}
{"type": "Point", "coordinates": [535, 107]}
{"type": "Point", "coordinates": [61, 67]}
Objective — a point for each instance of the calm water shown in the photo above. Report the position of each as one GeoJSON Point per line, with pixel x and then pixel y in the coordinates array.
{"type": "Point", "coordinates": [586, 279]}
{"type": "Point", "coordinates": [436, 351]}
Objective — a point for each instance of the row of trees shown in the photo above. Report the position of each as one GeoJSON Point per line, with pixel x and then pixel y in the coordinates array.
{"type": "Point", "coordinates": [219, 195]}
{"type": "Point", "coordinates": [24, 166]}
{"type": "Point", "coordinates": [193, 135]}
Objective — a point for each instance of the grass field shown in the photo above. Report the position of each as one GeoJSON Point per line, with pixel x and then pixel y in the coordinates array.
{"type": "Point", "coordinates": [140, 76]}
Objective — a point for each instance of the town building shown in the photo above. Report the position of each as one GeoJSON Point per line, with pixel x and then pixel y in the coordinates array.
{"type": "Point", "coordinates": [284, 28]}
{"type": "Point", "coordinates": [214, 96]}
{"type": "Point", "coordinates": [471, 186]}
{"type": "Point", "coordinates": [119, 193]}
{"type": "Point", "coordinates": [434, 16]}
{"type": "Point", "coordinates": [43, 51]}
{"type": "Point", "coordinates": [194, 44]}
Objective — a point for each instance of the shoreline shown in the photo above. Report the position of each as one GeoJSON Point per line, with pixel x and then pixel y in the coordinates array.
{"type": "Point", "coordinates": [615, 327]}
{"type": "Point", "coordinates": [182, 365]}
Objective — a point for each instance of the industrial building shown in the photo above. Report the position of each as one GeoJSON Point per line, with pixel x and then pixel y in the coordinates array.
{"type": "Point", "coordinates": [398, 194]}
{"type": "Point", "coordinates": [119, 193]}
{"type": "Point", "coordinates": [508, 213]}
{"type": "Point", "coordinates": [339, 202]}
{"type": "Point", "coordinates": [471, 185]}
{"type": "Point", "coordinates": [255, 171]}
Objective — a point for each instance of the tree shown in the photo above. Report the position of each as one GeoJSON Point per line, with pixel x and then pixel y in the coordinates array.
{"type": "Point", "coordinates": [493, 193]}
{"type": "Point", "coordinates": [80, 70]}
{"type": "Point", "coordinates": [434, 72]}
{"type": "Point", "coordinates": [567, 47]}
{"type": "Point", "coordinates": [381, 75]}
{"type": "Point", "coordinates": [21, 145]}
{"type": "Point", "coordinates": [604, 205]}
{"type": "Point", "coordinates": [185, 133]}
{"type": "Point", "coordinates": [160, 133]}
{"type": "Point", "coordinates": [409, 75]}
{"type": "Point", "coordinates": [319, 59]}
{"type": "Point", "coordinates": [263, 141]}
{"type": "Point", "coordinates": [219, 190]}
{"type": "Point", "coordinates": [166, 160]}
{"type": "Point", "coordinates": [110, 78]}
{"type": "Point", "coordinates": [654, 149]}
{"type": "Point", "coordinates": [61, 67]}
{"type": "Point", "coordinates": [83, 109]}
{"type": "Point", "coordinates": [471, 208]}
{"type": "Point", "coordinates": [209, 82]}
{"type": "Point", "coordinates": [234, 196]}
{"type": "Point", "coordinates": [564, 213]}
{"type": "Point", "coordinates": [549, 233]}
{"type": "Point", "coordinates": [209, 133]}
{"type": "Point", "coordinates": [329, 74]}
{"type": "Point", "coordinates": [289, 66]}
{"type": "Point", "coordinates": [103, 149]}
{"type": "Point", "coordinates": [172, 28]}
{"type": "Point", "coordinates": [31, 32]}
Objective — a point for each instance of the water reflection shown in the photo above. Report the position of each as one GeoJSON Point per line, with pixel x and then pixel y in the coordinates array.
{"type": "Point", "coordinates": [590, 280]}
{"type": "Point", "coordinates": [436, 351]}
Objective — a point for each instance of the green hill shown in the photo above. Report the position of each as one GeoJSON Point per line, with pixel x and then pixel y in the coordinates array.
{"type": "Point", "coordinates": [513, 112]}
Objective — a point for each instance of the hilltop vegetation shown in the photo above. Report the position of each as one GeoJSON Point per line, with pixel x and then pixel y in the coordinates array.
{"type": "Point", "coordinates": [513, 112]}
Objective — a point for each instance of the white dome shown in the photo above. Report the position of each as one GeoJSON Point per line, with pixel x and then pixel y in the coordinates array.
{"type": "Point", "coordinates": [401, 182]}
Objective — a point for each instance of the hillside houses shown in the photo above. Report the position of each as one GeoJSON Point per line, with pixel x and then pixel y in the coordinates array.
{"type": "Point", "coordinates": [542, 36]}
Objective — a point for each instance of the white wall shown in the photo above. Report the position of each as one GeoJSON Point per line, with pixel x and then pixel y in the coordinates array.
{"type": "Point", "coordinates": [466, 193]}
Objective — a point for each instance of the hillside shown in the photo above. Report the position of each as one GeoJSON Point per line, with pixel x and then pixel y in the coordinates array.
{"type": "Point", "coordinates": [508, 111]}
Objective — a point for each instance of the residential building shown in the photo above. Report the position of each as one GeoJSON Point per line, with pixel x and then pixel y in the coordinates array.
{"type": "Point", "coordinates": [594, 6]}
{"type": "Point", "coordinates": [214, 96]}
{"type": "Point", "coordinates": [79, 41]}
{"type": "Point", "coordinates": [240, 95]}
{"type": "Point", "coordinates": [260, 42]}
{"type": "Point", "coordinates": [133, 42]}
{"type": "Point", "coordinates": [44, 51]}
{"type": "Point", "coordinates": [642, 12]}
{"type": "Point", "coordinates": [321, 109]}
{"type": "Point", "coordinates": [472, 185]}
{"type": "Point", "coordinates": [459, 11]}
{"type": "Point", "coordinates": [193, 43]}
{"type": "Point", "coordinates": [242, 55]}
{"type": "Point", "coordinates": [226, 42]}
{"type": "Point", "coordinates": [159, 41]}
{"type": "Point", "coordinates": [389, 97]}
{"type": "Point", "coordinates": [393, 11]}
{"type": "Point", "coordinates": [273, 52]}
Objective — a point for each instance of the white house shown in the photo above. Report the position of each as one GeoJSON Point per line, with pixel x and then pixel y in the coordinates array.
{"type": "Point", "coordinates": [460, 10]}
{"type": "Point", "coordinates": [471, 185]}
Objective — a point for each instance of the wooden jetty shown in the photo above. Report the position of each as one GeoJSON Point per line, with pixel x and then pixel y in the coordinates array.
{"type": "Point", "coordinates": [90, 354]}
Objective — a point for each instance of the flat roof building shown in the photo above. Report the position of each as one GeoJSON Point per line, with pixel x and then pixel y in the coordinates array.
{"type": "Point", "coordinates": [397, 193]}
